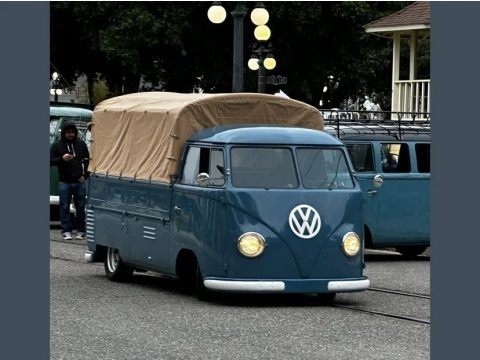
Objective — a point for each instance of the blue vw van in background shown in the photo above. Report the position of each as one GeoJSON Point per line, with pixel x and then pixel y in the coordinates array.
{"type": "Point", "coordinates": [252, 207]}
{"type": "Point", "coordinates": [391, 159]}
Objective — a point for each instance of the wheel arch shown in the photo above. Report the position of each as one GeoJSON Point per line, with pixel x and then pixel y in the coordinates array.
{"type": "Point", "coordinates": [368, 237]}
{"type": "Point", "coordinates": [185, 263]}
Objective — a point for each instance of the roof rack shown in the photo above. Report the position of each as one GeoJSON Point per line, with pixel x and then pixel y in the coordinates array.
{"type": "Point", "coordinates": [394, 123]}
{"type": "Point", "coordinates": [71, 104]}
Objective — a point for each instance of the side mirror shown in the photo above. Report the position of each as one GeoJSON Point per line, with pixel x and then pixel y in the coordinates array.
{"type": "Point", "coordinates": [202, 178]}
{"type": "Point", "coordinates": [377, 181]}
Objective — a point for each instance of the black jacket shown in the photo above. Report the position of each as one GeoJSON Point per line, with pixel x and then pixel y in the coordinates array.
{"type": "Point", "coordinates": [70, 171]}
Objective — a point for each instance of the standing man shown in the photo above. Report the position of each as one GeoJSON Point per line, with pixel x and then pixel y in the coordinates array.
{"type": "Point", "coordinates": [71, 156]}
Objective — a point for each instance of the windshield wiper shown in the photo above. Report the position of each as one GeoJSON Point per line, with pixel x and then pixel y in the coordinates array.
{"type": "Point", "coordinates": [330, 187]}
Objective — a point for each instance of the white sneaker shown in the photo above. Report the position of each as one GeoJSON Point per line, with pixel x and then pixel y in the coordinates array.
{"type": "Point", "coordinates": [80, 236]}
{"type": "Point", "coordinates": [67, 236]}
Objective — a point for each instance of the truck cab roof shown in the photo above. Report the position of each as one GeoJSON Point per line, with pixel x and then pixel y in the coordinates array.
{"type": "Point", "coordinates": [264, 135]}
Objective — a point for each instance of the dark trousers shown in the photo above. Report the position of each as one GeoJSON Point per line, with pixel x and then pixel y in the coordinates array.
{"type": "Point", "coordinates": [78, 192]}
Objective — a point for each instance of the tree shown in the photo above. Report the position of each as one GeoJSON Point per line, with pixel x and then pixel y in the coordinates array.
{"type": "Point", "coordinates": [123, 41]}
{"type": "Point", "coordinates": [319, 39]}
{"type": "Point", "coordinates": [175, 44]}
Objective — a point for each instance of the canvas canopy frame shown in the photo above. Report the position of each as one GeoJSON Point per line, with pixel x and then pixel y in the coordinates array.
{"type": "Point", "coordinates": [142, 135]}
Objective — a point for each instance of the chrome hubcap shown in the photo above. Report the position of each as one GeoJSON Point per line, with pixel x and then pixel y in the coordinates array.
{"type": "Point", "coordinates": [113, 257]}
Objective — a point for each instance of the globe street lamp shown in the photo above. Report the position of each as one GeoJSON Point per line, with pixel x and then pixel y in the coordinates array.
{"type": "Point", "coordinates": [56, 89]}
{"type": "Point", "coordinates": [262, 59]}
{"type": "Point", "coordinates": [259, 16]}
{"type": "Point", "coordinates": [216, 13]}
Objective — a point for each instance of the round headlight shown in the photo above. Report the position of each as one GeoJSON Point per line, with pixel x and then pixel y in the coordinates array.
{"type": "Point", "coordinates": [251, 244]}
{"type": "Point", "coordinates": [351, 244]}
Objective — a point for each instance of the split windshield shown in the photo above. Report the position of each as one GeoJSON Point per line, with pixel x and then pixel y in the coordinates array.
{"type": "Point", "coordinates": [324, 169]}
{"type": "Point", "coordinates": [319, 168]}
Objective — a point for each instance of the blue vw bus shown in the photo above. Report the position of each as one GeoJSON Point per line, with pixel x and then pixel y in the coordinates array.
{"type": "Point", "coordinates": [232, 192]}
{"type": "Point", "coordinates": [391, 158]}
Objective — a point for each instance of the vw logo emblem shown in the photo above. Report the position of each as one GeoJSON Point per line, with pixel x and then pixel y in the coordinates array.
{"type": "Point", "coordinates": [304, 221]}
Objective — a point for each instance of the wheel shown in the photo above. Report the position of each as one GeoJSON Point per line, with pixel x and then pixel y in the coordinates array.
{"type": "Point", "coordinates": [203, 293]}
{"type": "Point", "coordinates": [411, 251]}
{"type": "Point", "coordinates": [115, 268]}
{"type": "Point", "coordinates": [326, 298]}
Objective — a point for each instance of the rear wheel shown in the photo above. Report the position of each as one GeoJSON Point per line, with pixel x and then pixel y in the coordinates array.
{"type": "Point", "coordinates": [115, 268]}
{"type": "Point", "coordinates": [411, 251]}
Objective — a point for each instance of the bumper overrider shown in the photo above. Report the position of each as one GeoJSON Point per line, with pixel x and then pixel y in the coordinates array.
{"type": "Point", "coordinates": [288, 285]}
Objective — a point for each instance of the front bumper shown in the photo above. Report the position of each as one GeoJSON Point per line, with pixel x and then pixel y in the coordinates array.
{"type": "Point", "coordinates": [288, 285]}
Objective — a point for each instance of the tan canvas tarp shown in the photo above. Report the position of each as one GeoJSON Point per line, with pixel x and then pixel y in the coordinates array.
{"type": "Point", "coordinates": [142, 135]}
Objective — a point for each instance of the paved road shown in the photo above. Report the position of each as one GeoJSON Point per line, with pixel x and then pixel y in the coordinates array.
{"type": "Point", "coordinates": [152, 318]}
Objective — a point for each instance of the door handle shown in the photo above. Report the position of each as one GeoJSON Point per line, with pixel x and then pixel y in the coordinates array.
{"type": "Point", "coordinates": [372, 192]}
{"type": "Point", "coordinates": [177, 209]}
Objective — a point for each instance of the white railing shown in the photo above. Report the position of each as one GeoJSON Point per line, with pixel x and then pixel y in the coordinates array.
{"type": "Point", "coordinates": [411, 96]}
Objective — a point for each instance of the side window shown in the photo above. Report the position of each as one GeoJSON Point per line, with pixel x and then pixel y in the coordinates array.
{"type": "Point", "coordinates": [361, 156]}
{"type": "Point", "coordinates": [203, 167]}
{"type": "Point", "coordinates": [57, 122]}
{"type": "Point", "coordinates": [395, 158]}
{"type": "Point", "coordinates": [192, 163]}
{"type": "Point", "coordinates": [423, 157]}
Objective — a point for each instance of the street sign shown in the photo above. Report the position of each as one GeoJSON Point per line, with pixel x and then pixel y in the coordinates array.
{"type": "Point", "coordinates": [71, 90]}
{"type": "Point", "coordinates": [276, 79]}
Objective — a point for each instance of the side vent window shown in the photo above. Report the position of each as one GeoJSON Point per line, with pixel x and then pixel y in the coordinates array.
{"type": "Point", "coordinates": [204, 167]}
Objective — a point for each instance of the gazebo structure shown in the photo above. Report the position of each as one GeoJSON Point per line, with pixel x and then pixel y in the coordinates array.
{"type": "Point", "coordinates": [409, 24]}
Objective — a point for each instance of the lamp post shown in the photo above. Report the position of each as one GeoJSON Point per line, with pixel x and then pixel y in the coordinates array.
{"type": "Point", "coordinates": [217, 14]}
{"type": "Point", "coordinates": [262, 58]}
{"type": "Point", "coordinates": [332, 84]}
{"type": "Point", "coordinates": [56, 89]}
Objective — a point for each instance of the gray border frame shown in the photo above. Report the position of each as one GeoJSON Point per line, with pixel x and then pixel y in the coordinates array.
{"type": "Point", "coordinates": [455, 245]}
{"type": "Point", "coordinates": [24, 32]}
{"type": "Point", "coordinates": [24, 41]}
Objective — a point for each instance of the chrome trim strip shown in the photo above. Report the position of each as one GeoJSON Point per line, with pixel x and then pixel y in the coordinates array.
{"type": "Point", "coordinates": [89, 256]}
{"type": "Point", "coordinates": [244, 285]}
{"type": "Point", "coordinates": [348, 285]}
